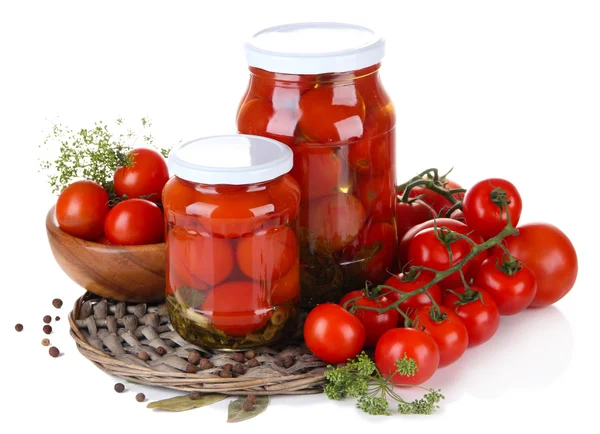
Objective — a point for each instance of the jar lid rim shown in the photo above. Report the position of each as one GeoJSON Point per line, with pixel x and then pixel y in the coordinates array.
{"type": "Point", "coordinates": [236, 159]}
{"type": "Point", "coordinates": [314, 48]}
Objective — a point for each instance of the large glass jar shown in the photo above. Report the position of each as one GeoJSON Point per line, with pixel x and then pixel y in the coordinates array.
{"type": "Point", "coordinates": [316, 87]}
{"type": "Point", "coordinates": [231, 213]}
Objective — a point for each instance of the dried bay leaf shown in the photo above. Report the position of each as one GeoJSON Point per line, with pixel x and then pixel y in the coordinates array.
{"type": "Point", "coordinates": [183, 403]}
{"type": "Point", "coordinates": [237, 414]}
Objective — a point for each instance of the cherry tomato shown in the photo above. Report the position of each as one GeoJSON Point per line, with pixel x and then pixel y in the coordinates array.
{"type": "Point", "coordinates": [81, 209]}
{"type": "Point", "coordinates": [269, 256]}
{"type": "Point", "coordinates": [551, 256]}
{"type": "Point", "coordinates": [332, 113]}
{"type": "Point", "coordinates": [374, 151]}
{"type": "Point", "coordinates": [452, 224]}
{"type": "Point", "coordinates": [396, 343]}
{"type": "Point", "coordinates": [198, 261]}
{"type": "Point", "coordinates": [317, 170]}
{"type": "Point", "coordinates": [258, 117]}
{"type": "Point", "coordinates": [271, 85]}
{"type": "Point", "coordinates": [447, 329]}
{"type": "Point", "coordinates": [133, 222]}
{"type": "Point", "coordinates": [333, 334]}
{"type": "Point", "coordinates": [411, 214]}
{"type": "Point", "coordinates": [146, 176]}
{"type": "Point", "coordinates": [486, 217]}
{"type": "Point", "coordinates": [375, 324]}
{"type": "Point", "coordinates": [377, 195]}
{"type": "Point", "coordinates": [237, 308]}
{"type": "Point", "coordinates": [287, 288]}
{"type": "Point", "coordinates": [512, 290]}
{"type": "Point", "coordinates": [436, 201]}
{"type": "Point", "coordinates": [402, 284]}
{"type": "Point", "coordinates": [285, 196]}
{"type": "Point", "coordinates": [480, 316]}
{"type": "Point", "coordinates": [336, 219]}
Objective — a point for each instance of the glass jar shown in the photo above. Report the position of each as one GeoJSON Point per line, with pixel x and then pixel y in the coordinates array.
{"type": "Point", "coordinates": [231, 212]}
{"type": "Point", "coordinates": [316, 87]}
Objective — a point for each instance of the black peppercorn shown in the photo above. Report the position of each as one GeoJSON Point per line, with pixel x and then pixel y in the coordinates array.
{"type": "Point", "coordinates": [249, 403]}
{"type": "Point", "coordinates": [57, 303]}
{"type": "Point", "coordinates": [238, 357]}
{"type": "Point", "coordinates": [143, 356]}
{"type": "Point", "coordinates": [205, 364]}
{"type": "Point", "coordinates": [195, 396]}
{"type": "Point", "coordinates": [57, 318]}
{"type": "Point", "coordinates": [119, 387]}
{"type": "Point", "coordinates": [47, 319]}
{"type": "Point", "coordinates": [228, 366]}
{"type": "Point", "coordinates": [140, 397]}
{"type": "Point", "coordinates": [54, 352]}
{"type": "Point", "coordinates": [47, 329]}
{"type": "Point", "coordinates": [19, 327]}
{"type": "Point", "coordinates": [250, 354]}
{"type": "Point", "coordinates": [252, 363]}
{"type": "Point", "coordinates": [239, 369]}
{"type": "Point", "coordinates": [194, 357]}
{"type": "Point", "coordinates": [191, 369]}
{"type": "Point", "coordinates": [225, 373]}
{"type": "Point", "coordinates": [161, 351]}
{"type": "Point", "coordinates": [288, 361]}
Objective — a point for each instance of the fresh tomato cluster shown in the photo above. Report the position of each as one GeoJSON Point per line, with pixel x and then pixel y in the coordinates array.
{"type": "Point", "coordinates": [459, 278]}
{"type": "Point", "coordinates": [84, 209]}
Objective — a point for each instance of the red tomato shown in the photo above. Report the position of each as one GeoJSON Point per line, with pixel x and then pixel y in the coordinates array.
{"type": "Point", "coordinates": [452, 224]}
{"type": "Point", "coordinates": [133, 222]}
{"type": "Point", "coordinates": [375, 324]}
{"type": "Point", "coordinates": [377, 194]}
{"type": "Point", "coordinates": [511, 292]}
{"type": "Point", "coordinates": [376, 237]}
{"type": "Point", "coordinates": [333, 334]}
{"type": "Point", "coordinates": [434, 200]}
{"type": "Point", "coordinates": [146, 176]}
{"type": "Point", "coordinates": [486, 217]}
{"type": "Point", "coordinates": [448, 331]}
{"type": "Point", "coordinates": [550, 254]}
{"type": "Point", "coordinates": [317, 170]}
{"type": "Point", "coordinates": [428, 251]}
{"type": "Point", "coordinates": [285, 196]}
{"type": "Point", "coordinates": [480, 317]}
{"type": "Point", "coordinates": [332, 113]}
{"type": "Point", "coordinates": [411, 214]}
{"type": "Point", "coordinates": [287, 288]}
{"type": "Point", "coordinates": [196, 260]}
{"type": "Point", "coordinates": [269, 256]}
{"type": "Point", "coordinates": [271, 85]}
{"type": "Point", "coordinates": [258, 117]}
{"type": "Point", "coordinates": [336, 219]}
{"type": "Point", "coordinates": [374, 152]}
{"type": "Point", "coordinates": [81, 209]}
{"type": "Point", "coordinates": [396, 343]}
{"type": "Point", "coordinates": [237, 308]}
{"type": "Point", "coordinates": [401, 284]}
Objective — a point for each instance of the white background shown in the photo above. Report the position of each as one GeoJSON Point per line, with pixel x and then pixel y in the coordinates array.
{"type": "Point", "coordinates": [508, 89]}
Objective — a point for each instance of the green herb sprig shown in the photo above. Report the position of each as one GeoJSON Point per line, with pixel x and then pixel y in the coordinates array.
{"type": "Point", "coordinates": [360, 379]}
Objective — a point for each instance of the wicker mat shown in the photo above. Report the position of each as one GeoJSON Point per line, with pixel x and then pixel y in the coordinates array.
{"type": "Point", "coordinates": [137, 342]}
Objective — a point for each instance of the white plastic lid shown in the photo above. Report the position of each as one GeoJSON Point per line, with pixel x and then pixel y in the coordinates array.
{"type": "Point", "coordinates": [314, 48]}
{"type": "Point", "coordinates": [234, 159]}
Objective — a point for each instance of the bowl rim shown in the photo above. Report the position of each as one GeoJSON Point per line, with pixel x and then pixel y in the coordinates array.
{"type": "Point", "coordinates": [52, 226]}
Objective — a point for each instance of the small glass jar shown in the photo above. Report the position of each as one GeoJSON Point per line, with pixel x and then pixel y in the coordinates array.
{"type": "Point", "coordinates": [231, 212]}
{"type": "Point", "coordinates": [316, 88]}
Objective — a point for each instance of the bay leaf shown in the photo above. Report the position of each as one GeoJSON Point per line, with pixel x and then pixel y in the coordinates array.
{"type": "Point", "coordinates": [183, 403]}
{"type": "Point", "coordinates": [237, 414]}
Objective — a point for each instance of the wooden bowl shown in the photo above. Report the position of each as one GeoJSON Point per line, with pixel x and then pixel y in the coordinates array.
{"type": "Point", "coordinates": [123, 273]}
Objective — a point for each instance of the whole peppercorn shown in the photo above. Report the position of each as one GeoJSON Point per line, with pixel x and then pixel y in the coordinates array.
{"type": "Point", "coordinates": [54, 352]}
{"type": "Point", "coordinates": [288, 361]}
{"type": "Point", "coordinates": [249, 403]}
{"type": "Point", "coordinates": [45, 342]}
{"type": "Point", "coordinates": [57, 318]}
{"type": "Point", "coordinates": [191, 369]}
{"type": "Point", "coordinates": [161, 351]}
{"type": "Point", "coordinates": [119, 387]}
{"type": "Point", "coordinates": [205, 364]}
{"type": "Point", "coordinates": [252, 363]}
{"type": "Point", "coordinates": [57, 303]}
{"type": "Point", "coordinates": [225, 373]}
{"type": "Point", "coordinates": [239, 369]}
{"type": "Point", "coordinates": [143, 355]}
{"type": "Point", "coordinates": [194, 357]}
{"type": "Point", "coordinates": [250, 354]}
{"type": "Point", "coordinates": [140, 397]}
{"type": "Point", "coordinates": [19, 327]}
{"type": "Point", "coordinates": [47, 319]}
{"type": "Point", "coordinates": [251, 399]}
{"type": "Point", "coordinates": [238, 357]}
{"type": "Point", "coordinates": [195, 396]}
{"type": "Point", "coordinates": [228, 366]}
{"type": "Point", "coordinates": [47, 329]}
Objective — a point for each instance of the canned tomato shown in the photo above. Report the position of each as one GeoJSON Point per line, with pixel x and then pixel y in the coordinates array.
{"type": "Point", "coordinates": [231, 212]}
{"type": "Point", "coordinates": [316, 87]}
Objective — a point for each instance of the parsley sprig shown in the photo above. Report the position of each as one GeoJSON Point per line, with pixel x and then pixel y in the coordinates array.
{"type": "Point", "coordinates": [359, 378]}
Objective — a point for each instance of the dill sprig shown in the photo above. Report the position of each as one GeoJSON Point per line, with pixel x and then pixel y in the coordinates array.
{"type": "Point", "coordinates": [359, 378]}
